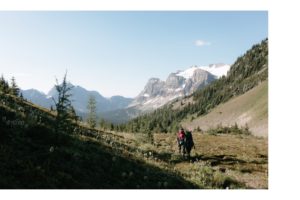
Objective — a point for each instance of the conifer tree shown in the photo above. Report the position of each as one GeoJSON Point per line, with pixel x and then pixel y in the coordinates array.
{"type": "Point", "coordinates": [14, 90]}
{"type": "Point", "coordinates": [63, 105]}
{"type": "Point", "coordinates": [92, 116]}
{"type": "Point", "coordinates": [4, 87]}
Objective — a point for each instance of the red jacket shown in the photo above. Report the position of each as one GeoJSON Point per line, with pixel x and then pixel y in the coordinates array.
{"type": "Point", "coordinates": [181, 135]}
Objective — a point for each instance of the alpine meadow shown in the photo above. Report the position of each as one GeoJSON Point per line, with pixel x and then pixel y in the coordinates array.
{"type": "Point", "coordinates": [126, 114]}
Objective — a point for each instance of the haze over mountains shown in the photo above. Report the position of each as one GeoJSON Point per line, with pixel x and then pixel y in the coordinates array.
{"type": "Point", "coordinates": [156, 93]}
{"type": "Point", "coordinates": [79, 98]}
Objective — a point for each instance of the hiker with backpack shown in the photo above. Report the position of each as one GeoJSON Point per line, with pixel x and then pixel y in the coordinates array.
{"type": "Point", "coordinates": [189, 142]}
{"type": "Point", "coordinates": [181, 141]}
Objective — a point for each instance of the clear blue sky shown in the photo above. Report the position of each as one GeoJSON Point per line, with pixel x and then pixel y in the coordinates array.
{"type": "Point", "coordinates": [115, 53]}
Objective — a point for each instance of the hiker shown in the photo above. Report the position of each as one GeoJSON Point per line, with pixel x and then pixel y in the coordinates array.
{"type": "Point", "coordinates": [189, 142]}
{"type": "Point", "coordinates": [181, 140]}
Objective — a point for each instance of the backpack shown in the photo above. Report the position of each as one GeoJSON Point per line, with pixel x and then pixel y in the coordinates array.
{"type": "Point", "coordinates": [189, 138]}
{"type": "Point", "coordinates": [188, 135]}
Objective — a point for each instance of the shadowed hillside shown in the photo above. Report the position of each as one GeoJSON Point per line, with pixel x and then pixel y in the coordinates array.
{"type": "Point", "coordinates": [34, 156]}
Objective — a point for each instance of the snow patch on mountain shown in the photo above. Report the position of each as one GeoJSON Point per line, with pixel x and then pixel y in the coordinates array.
{"type": "Point", "coordinates": [216, 69]}
{"type": "Point", "coordinates": [157, 93]}
{"type": "Point", "coordinates": [187, 73]}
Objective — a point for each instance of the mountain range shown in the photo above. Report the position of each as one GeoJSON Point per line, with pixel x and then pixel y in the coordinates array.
{"type": "Point", "coordinates": [239, 99]}
{"type": "Point", "coordinates": [224, 116]}
{"type": "Point", "coordinates": [155, 94]}
{"type": "Point", "coordinates": [79, 99]}
{"type": "Point", "coordinates": [158, 93]}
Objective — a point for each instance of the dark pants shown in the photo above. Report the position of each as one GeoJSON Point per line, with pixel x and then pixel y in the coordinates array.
{"type": "Point", "coordinates": [181, 145]}
{"type": "Point", "coordinates": [188, 147]}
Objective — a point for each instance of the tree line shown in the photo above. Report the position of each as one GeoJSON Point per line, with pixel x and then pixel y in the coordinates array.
{"type": "Point", "coordinates": [11, 88]}
{"type": "Point", "coordinates": [66, 118]}
{"type": "Point", "coordinates": [247, 72]}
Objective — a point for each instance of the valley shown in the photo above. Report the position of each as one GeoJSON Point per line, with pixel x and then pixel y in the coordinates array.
{"type": "Point", "coordinates": [122, 160]}
{"type": "Point", "coordinates": [228, 116]}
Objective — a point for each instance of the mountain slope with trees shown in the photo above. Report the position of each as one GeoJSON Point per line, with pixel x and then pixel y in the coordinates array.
{"type": "Point", "coordinates": [40, 148]}
{"type": "Point", "coordinates": [35, 156]}
{"type": "Point", "coordinates": [247, 72]}
{"type": "Point", "coordinates": [249, 110]}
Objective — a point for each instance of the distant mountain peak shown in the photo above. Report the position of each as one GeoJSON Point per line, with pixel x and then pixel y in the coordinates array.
{"type": "Point", "coordinates": [79, 99]}
{"type": "Point", "coordinates": [188, 73]}
{"type": "Point", "coordinates": [32, 90]}
{"type": "Point", "coordinates": [218, 69]}
{"type": "Point", "coordinates": [157, 93]}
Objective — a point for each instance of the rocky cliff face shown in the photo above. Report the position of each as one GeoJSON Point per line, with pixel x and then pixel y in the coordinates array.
{"type": "Point", "coordinates": [157, 92]}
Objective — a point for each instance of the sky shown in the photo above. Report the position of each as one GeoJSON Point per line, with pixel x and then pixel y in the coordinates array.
{"type": "Point", "coordinates": [115, 53]}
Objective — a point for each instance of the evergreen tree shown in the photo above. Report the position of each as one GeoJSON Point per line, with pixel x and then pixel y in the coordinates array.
{"type": "Point", "coordinates": [102, 124]}
{"type": "Point", "coordinates": [92, 116]}
{"type": "Point", "coordinates": [63, 105]}
{"type": "Point", "coordinates": [73, 114]}
{"type": "Point", "coordinates": [14, 90]}
{"type": "Point", "coordinates": [4, 87]}
{"type": "Point", "coordinates": [111, 126]}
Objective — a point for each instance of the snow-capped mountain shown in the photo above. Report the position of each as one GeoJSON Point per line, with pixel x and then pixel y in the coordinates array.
{"type": "Point", "coordinates": [218, 70]}
{"type": "Point", "coordinates": [155, 94]}
{"type": "Point", "coordinates": [182, 83]}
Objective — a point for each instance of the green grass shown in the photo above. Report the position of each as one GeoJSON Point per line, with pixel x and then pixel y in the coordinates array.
{"type": "Point", "coordinates": [235, 161]}
{"type": "Point", "coordinates": [250, 108]}
{"type": "Point", "coordinates": [34, 156]}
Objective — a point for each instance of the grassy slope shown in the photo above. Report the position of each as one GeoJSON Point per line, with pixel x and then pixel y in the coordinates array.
{"type": "Point", "coordinates": [33, 156]}
{"type": "Point", "coordinates": [250, 108]}
{"type": "Point", "coordinates": [218, 161]}
{"type": "Point", "coordinates": [121, 160]}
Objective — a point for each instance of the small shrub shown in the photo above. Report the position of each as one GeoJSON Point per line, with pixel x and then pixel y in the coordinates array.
{"type": "Point", "coordinates": [234, 129]}
{"type": "Point", "coordinates": [222, 181]}
{"type": "Point", "coordinates": [206, 176]}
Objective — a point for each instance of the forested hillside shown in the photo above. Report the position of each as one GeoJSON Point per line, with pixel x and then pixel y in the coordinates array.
{"type": "Point", "coordinates": [247, 111]}
{"type": "Point", "coordinates": [247, 72]}
{"type": "Point", "coordinates": [34, 155]}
